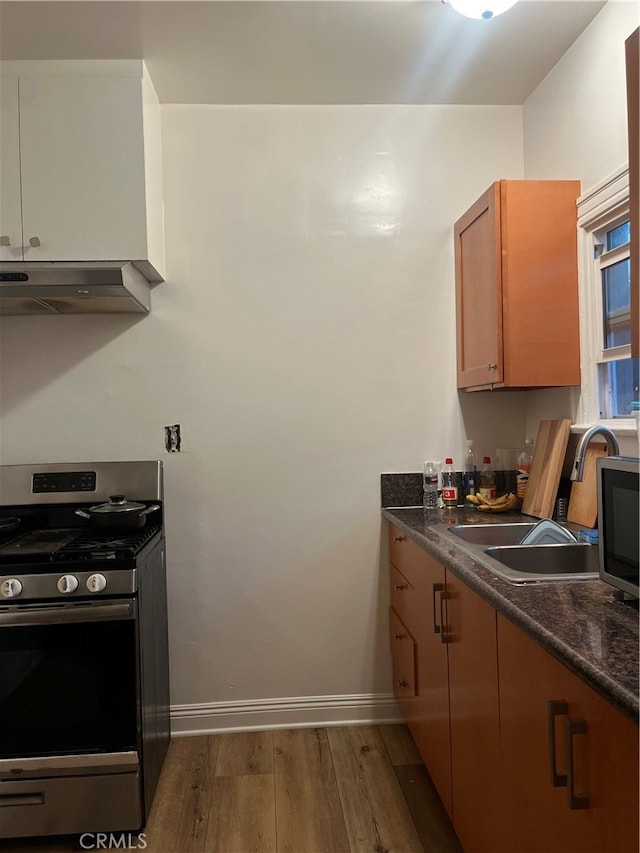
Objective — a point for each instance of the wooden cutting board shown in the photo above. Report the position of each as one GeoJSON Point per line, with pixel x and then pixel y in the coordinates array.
{"type": "Point", "coordinates": [583, 503]}
{"type": "Point", "coordinates": [546, 468]}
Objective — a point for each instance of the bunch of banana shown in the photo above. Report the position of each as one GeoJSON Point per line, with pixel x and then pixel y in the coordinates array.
{"type": "Point", "coordinates": [502, 504]}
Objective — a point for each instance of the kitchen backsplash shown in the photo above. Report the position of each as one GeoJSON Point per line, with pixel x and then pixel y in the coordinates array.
{"type": "Point", "coordinates": [398, 490]}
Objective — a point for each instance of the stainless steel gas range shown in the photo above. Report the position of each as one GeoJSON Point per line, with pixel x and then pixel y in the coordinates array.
{"type": "Point", "coordinates": [84, 686]}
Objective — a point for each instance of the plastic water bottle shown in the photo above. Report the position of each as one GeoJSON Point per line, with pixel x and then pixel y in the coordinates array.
{"type": "Point", "coordinates": [430, 486]}
{"type": "Point", "coordinates": [470, 470]}
{"type": "Point", "coordinates": [449, 487]}
{"type": "Point", "coordinates": [523, 468]}
{"type": "Point", "coordinates": [487, 479]}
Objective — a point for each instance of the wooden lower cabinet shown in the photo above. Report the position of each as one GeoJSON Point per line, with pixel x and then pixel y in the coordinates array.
{"type": "Point", "coordinates": [457, 684]}
{"type": "Point", "coordinates": [538, 815]}
{"type": "Point", "coordinates": [475, 732]}
{"type": "Point", "coordinates": [479, 710]}
{"type": "Point", "coordinates": [434, 732]}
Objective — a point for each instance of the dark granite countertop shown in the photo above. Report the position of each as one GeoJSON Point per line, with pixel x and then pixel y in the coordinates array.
{"type": "Point", "coordinates": [581, 623]}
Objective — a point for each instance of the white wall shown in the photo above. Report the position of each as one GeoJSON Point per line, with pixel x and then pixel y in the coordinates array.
{"type": "Point", "coordinates": [305, 341]}
{"type": "Point", "coordinates": [575, 126]}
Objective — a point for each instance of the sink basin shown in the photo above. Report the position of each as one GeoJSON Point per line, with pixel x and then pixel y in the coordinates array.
{"type": "Point", "coordinates": [530, 563]}
{"type": "Point", "coordinates": [492, 534]}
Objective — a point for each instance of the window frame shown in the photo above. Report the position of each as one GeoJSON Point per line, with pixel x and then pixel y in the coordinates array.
{"type": "Point", "coordinates": [604, 205]}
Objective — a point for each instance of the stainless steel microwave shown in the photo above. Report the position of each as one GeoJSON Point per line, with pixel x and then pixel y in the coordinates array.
{"type": "Point", "coordinates": [618, 512]}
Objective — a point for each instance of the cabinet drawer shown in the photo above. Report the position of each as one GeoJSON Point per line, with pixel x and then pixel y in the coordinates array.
{"type": "Point", "coordinates": [404, 658]}
{"type": "Point", "coordinates": [407, 556]}
{"type": "Point", "coordinates": [403, 652]}
{"type": "Point", "coordinates": [403, 596]}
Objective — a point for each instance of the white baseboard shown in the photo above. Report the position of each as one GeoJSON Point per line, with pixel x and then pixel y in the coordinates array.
{"type": "Point", "coordinates": [288, 713]}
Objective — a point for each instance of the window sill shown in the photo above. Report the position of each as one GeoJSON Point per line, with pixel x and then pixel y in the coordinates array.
{"type": "Point", "coordinates": [621, 426]}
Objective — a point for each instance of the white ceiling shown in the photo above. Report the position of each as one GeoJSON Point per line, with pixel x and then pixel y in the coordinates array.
{"type": "Point", "coordinates": [301, 52]}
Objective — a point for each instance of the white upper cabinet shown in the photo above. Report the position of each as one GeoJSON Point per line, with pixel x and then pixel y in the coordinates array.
{"type": "Point", "coordinates": [86, 183]}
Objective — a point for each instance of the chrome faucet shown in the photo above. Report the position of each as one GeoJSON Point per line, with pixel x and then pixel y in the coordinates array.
{"type": "Point", "coordinates": [614, 448]}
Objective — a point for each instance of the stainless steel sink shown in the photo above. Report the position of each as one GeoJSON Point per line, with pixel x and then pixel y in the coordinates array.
{"type": "Point", "coordinates": [531, 563]}
{"type": "Point", "coordinates": [492, 534]}
{"type": "Point", "coordinates": [516, 563]}
{"type": "Point", "coordinates": [548, 559]}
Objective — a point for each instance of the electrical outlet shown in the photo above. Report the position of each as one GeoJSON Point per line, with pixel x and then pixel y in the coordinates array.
{"type": "Point", "coordinates": [172, 438]}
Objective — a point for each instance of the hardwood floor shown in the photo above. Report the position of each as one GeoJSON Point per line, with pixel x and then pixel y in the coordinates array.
{"type": "Point", "coordinates": [352, 789]}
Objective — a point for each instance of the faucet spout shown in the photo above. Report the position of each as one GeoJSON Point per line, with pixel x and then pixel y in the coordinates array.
{"type": "Point", "coordinates": [577, 471]}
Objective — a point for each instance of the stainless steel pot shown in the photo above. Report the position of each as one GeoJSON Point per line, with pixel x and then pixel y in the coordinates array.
{"type": "Point", "coordinates": [118, 514]}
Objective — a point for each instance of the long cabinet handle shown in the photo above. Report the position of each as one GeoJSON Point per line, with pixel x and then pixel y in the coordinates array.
{"type": "Point", "coordinates": [574, 726]}
{"type": "Point", "coordinates": [555, 708]}
{"type": "Point", "coordinates": [445, 636]}
{"type": "Point", "coordinates": [436, 588]}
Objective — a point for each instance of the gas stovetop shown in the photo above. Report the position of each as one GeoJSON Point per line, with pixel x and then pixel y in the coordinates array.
{"type": "Point", "coordinates": [70, 545]}
{"type": "Point", "coordinates": [47, 552]}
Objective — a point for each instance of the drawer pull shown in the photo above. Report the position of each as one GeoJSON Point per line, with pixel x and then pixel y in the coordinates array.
{"type": "Point", "coordinates": [403, 684]}
{"type": "Point", "coordinates": [555, 708]}
{"type": "Point", "coordinates": [399, 636]}
{"type": "Point", "coordinates": [34, 242]}
{"type": "Point", "coordinates": [574, 726]}
{"type": "Point", "coordinates": [400, 587]}
{"type": "Point", "coordinates": [399, 538]}
{"type": "Point", "coordinates": [445, 636]}
{"type": "Point", "coordinates": [8, 800]}
{"type": "Point", "coordinates": [435, 588]}
{"type": "Point", "coordinates": [5, 241]}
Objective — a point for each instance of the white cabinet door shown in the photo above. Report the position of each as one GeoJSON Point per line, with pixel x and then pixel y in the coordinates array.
{"type": "Point", "coordinates": [82, 164]}
{"type": "Point", "coordinates": [10, 204]}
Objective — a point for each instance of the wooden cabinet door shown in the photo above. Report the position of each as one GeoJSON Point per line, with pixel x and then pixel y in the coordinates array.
{"type": "Point", "coordinates": [479, 292]}
{"type": "Point", "coordinates": [475, 732]}
{"type": "Point", "coordinates": [82, 161]}
{"type": "Point", "coordinates": [433, 681]}
{"type": "Point", "coordinates": [10, 202]}
{"type": "Point", "coordinates": [540, 320]}
{"type": "Point", "coordinates": [536, 813]}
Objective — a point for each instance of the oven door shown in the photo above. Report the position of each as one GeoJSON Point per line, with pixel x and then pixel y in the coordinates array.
{"type": "Point", "coordinates": [68, 684]}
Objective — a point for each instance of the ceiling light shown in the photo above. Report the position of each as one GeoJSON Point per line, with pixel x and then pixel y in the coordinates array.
{"type": "Point", "coordinates": [481, 8]}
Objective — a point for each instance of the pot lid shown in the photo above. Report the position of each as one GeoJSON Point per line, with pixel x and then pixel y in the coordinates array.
{"type": "Point", "coordinates": [118, 504]}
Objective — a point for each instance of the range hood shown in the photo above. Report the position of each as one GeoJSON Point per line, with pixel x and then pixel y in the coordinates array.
{"type": "Point", "coordinates": [61, 287]}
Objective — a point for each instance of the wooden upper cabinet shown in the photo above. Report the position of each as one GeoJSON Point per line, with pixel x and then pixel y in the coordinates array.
{"type": "Point", "coordinates": [517, 287]}
{"type": "Point", "coordinates": [632, 46]}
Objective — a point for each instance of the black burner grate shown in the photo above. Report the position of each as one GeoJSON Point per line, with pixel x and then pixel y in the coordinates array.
{"type": "Point", "coordinates": [92, 545]}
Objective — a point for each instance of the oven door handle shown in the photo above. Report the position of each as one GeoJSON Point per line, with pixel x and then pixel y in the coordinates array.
{"type": "Point", "coordinates": [56, 615]}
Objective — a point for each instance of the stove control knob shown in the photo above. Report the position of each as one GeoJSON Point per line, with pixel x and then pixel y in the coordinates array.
{"type": "Point", "coordinates": [10, 588]}
{"type": "Point", "coordinates": [67, 584]}
{"type": "Point", "coordinates": [96, 583]}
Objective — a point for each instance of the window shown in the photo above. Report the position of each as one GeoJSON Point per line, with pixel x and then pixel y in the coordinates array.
{"type": "Point", "coordinates": [617, 374]}
{"type": "Point", "coordinates": [609, 374]}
